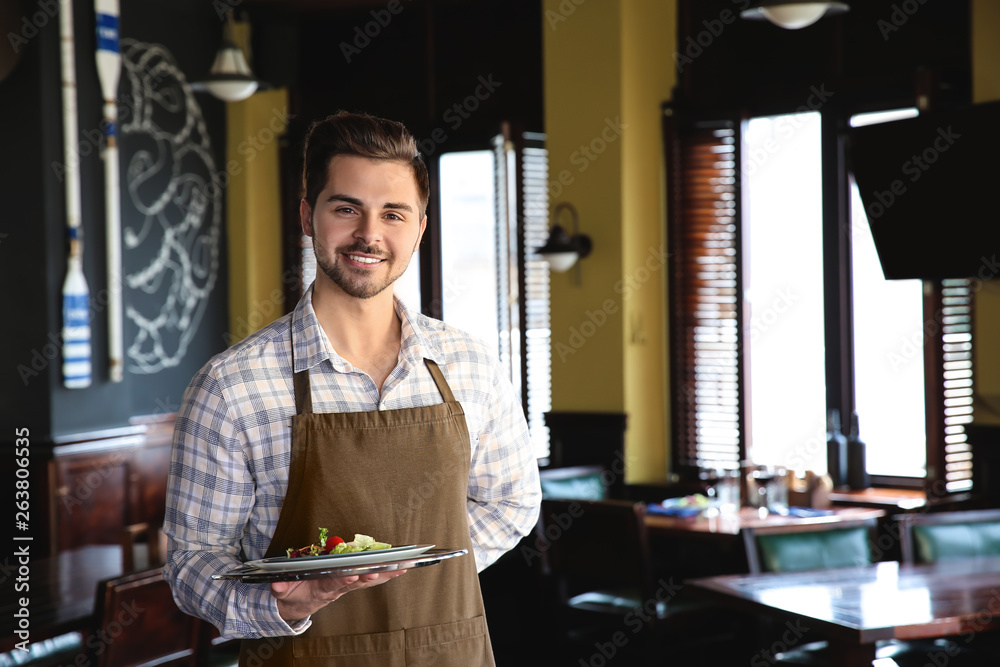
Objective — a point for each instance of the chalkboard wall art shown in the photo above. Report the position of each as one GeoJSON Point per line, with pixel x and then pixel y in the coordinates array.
{"type": "Point", "coordinates": [171, 245]}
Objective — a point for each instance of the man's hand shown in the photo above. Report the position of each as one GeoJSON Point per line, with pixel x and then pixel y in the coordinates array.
{"type": "Point", "coordinates": [298, 599]}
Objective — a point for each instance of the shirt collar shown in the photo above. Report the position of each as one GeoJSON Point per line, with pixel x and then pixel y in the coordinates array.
{"type": "Point", "coordinates": [309, 343]}
{"type": "Point", "coordinates": [416, 346]}
{"type": "Point", "coordinates": [311, 346]}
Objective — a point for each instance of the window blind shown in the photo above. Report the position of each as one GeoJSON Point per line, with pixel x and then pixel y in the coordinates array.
{"type": "Point", "coordinates": [950, 387]}
{"type": "Point", "coordinates": [537, 335]}
{"type": "Point", "coordinates": [523, 290]}
{"type": "Point", "coordinates": [706, 362]}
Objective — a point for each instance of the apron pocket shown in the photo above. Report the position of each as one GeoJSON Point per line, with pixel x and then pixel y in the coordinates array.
{"type": "Point", "coordinates": [459, 644]}
{"type": "Point", "coordinates": [379, 649]}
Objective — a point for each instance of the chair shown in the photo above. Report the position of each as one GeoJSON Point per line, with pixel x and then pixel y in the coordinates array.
{"type": "Point", "coordinates": [144, 546]}
{"type": "Point", "coordinates": [937, 536]}
{"type": "Point", "coordinates": [596, 560]}
{"type": "Point", "coordinates": [574, 482]}
{"type": "Point", "coordinates": [137, 622]}
{"type": "Point", "coordinates": [930, 537]}
{"type": "Point", "coordinates": [788, 548]}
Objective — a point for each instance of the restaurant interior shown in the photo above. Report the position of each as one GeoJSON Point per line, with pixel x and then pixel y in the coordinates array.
{"type": "Point", "coordinates": [737, 258]}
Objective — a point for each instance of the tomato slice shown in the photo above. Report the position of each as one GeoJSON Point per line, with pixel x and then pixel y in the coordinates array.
{"type": "Point", "coordinates": [331, 543]}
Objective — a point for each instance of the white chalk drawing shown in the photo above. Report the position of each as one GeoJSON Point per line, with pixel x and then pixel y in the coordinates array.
{"type": "Point", "coordinates": [170, 180]}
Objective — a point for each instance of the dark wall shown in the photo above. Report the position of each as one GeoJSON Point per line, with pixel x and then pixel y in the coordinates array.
{"type": "Point", "coordinates": [874, 53]}
{"type": "Point", "coordinates": [34, 249]}
{"type": "Point", "coordinates": [413, 64]}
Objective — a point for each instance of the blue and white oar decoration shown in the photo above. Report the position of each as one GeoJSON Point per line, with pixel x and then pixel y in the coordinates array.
{"type": "Point", "coordinates": [76, 295]}
{"type": "Point", "coordinates": [109, 62]}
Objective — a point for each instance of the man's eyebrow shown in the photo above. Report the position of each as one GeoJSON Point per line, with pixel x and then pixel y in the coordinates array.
{"type": "Point", "coordinates": [345, 198]}
{"type": "Point", "coordinates": [400, 206]}
{"type": "Point", "coordinates": [360, 204]}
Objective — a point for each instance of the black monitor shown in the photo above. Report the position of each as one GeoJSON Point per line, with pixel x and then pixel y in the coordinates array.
{"type": "Point", "coordinates": [930, 187]}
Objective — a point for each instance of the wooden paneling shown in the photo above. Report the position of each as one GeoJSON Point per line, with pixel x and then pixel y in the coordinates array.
{"type": "Point", "coordinates": [95, 487]}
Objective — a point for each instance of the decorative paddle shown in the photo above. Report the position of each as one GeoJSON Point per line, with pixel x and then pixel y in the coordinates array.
{"type": "Point", "coordinates": [109, 61]}
{"type": "Point", "coordinates": [76, 294]}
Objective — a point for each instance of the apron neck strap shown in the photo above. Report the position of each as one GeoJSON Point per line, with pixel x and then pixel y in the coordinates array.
{"type": "Point", "coordinates": [439, 381]}
{"type": "Point", "coordinates": [303, 393]}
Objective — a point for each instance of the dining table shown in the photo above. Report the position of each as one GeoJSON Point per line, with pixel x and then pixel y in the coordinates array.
{"type": "Point", "coordinates": [715, 524]}
{"type": "Point", "coordinates": [61, 593]}
{"type": "Point", "coordinates": [858, 606]}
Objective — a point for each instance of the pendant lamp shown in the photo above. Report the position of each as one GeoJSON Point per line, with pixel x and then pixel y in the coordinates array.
{"type": "Point", "coordinates": [230, 78]}
{"type": "Point", "coordinates": [793, 15]}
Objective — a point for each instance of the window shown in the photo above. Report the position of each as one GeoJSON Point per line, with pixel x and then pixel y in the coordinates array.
{"type": "Point", "coordinates": [783, 291]}
{"type": "Point", "coordinates": [469, 244]}
{"type": "Point", "coordinates": [494, 214]}
{"type": "Point", "coordinates": [764, 308]}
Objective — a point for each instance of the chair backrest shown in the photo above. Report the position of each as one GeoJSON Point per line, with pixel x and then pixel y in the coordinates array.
{"type": "Point", "coordinates": [787, 548]}
{"type": "Point", "coordinates": [574, 482]}
{"type": "Point", "coordinates": [137, 622]}
{"type": "Point", "coordinates": [933, 536]}
{"type": "Point", "coordinates": [592, 545]}
{"type": "Point", "coordinates": [144, 546]}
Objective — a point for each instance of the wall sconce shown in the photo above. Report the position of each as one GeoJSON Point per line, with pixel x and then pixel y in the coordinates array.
{"type": "Point", "coordinates": [562, 250]}
{"type": "Point", "coordinates": [793, 15]}
{"type": "Point", "coordinates": [230, 78]}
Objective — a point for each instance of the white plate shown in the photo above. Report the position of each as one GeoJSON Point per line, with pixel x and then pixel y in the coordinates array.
{"type": "Point", "coordinates": [283, 564]}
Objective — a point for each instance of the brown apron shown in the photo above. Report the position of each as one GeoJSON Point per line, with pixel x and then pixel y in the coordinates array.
{"type": "Point", "coordinates": [402, 477]}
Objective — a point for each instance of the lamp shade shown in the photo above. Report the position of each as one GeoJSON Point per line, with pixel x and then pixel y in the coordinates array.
{"type": "Point", "coordinates": [793, 15]}
{"type": "Point", "coordinates": [230, 78]}
{"type": "Point", "coordinates": [559, 251]}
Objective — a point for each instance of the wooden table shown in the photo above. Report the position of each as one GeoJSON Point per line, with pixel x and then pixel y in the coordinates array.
{"type": "Point", "coordinates": [62, 591]}
{"type": "Point", "coordinates": [855, 607]}
{"type": "Point", "coordinates": [731, 525]}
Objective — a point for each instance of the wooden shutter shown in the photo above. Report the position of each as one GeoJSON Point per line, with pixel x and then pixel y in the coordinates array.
{"type": "Point", "coordinates": [949, 387]}
{"type": "Point", "coordinates": [705, 287]}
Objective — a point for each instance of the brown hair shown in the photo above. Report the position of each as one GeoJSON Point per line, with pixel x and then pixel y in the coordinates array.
{"type": "Point", "coordinates": [346, 133]}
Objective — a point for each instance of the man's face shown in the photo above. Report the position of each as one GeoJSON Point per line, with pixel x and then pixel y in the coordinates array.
{"type": "Point", "coordinates": [366, 224]}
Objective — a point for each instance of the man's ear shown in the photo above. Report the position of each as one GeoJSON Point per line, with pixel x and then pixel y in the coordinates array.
{"type": "Point", "coordinates": [420, 236]}
{"type": "Point", "coordinates": [305, 217]}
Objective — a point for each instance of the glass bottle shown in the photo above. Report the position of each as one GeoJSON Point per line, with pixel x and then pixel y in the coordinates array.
{"type": "Point", "coordinates": [836, 449]}
{"type": "Point", "coordinates": [857, 458]}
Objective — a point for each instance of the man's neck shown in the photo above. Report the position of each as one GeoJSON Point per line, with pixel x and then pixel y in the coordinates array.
{"type": "Point", "coordinates": [365, 332]}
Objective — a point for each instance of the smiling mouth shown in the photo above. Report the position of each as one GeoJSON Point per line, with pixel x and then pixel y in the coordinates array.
{"type": "Point", "coordinates": [365, 260]}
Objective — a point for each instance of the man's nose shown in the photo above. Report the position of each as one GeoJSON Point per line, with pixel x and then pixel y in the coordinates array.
{"type": "Point", "coordinates": [369, 228]}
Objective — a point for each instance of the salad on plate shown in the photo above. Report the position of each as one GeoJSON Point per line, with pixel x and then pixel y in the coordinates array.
{"type": "Point", "coordinates": [328, 544]}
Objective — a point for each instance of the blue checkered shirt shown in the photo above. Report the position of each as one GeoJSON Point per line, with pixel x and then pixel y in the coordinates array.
{"type": "Point", "coordinates": [232, 448]}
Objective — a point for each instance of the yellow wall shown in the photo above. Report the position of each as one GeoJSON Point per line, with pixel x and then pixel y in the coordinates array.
{"type": "Point", "coordinates": [253, 198]}
{"type": "Point", "coordinates": [649, 75]}
{"type": "Point", "coordinates": [986, 88]}
{"type": "Point", "coordinates": [607, 69]}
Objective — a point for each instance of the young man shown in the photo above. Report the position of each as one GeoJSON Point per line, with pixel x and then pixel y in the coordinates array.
{"type": "Point", "coordinates": [357, 415]}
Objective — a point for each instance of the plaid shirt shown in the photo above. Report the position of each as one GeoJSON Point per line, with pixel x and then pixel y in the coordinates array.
{"type": "Point", "coordinates": [232, 448]}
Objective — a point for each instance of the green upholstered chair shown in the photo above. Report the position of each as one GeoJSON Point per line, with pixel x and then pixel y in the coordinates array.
{"type": "Point", "coordinates": [929, 537]}
{"type": "Point", "coordinates": [789, 549]}
{"type": "Point", "coordinates": [837, 545]}
{"type": "Point", "coordinates": [574, 482]}
{"type": "Point", "coordinates": [934, 536]}
{"type": "Point", "coordinates": [792, 548]}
